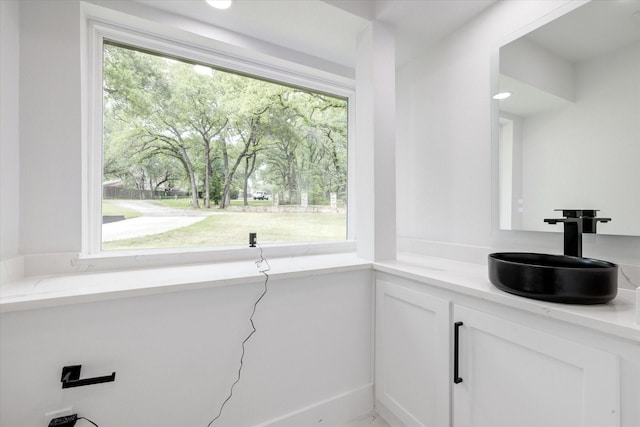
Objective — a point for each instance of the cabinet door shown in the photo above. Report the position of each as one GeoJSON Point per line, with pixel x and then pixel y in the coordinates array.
{"type": "Point", "coordinates": [514, 375]}
{"type": "Point", "coordinates": [412, 347]}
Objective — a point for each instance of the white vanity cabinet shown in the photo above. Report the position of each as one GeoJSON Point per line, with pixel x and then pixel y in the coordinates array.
{"type": "Point", "coordinates": [514, 375]}
{"type": "Point", "coordinates": [512, 372]}
{"type": "Point", "coordinates": [412, 355]}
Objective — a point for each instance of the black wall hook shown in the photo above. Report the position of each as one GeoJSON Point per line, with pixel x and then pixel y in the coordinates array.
{"type": "Point", "coordinates": [71, 377]}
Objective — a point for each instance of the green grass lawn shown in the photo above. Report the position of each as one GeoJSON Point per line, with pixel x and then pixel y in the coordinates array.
{"type": "Point", "coordinates": [233, 228]}
{"type": "Point", "coordinates": [110, 208]}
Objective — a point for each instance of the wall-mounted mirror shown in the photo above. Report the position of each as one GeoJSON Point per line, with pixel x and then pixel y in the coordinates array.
{"type": "Point", "coordinates": [569, 134]}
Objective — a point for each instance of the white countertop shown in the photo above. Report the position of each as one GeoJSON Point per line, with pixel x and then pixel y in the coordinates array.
{"type": "Point", "coordinates": [617, 317]}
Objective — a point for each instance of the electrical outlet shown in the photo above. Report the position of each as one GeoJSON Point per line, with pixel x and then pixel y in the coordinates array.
{"type": "Point", "coordinates": [252, 239]}
{"type": "Point", "coordinates": [66, 421]}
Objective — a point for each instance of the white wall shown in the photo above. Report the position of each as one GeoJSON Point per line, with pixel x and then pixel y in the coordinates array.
{"type": "Point", "coordinates": [50, 168]}
{"type": "Point", "coordinates": [444, 146]}
{"type": "Point", "coordinates": [9, 125]}
{"type": "Point", "coordinates": [443, 143]}
{"type": "Point", "coordinates": [176, 355]}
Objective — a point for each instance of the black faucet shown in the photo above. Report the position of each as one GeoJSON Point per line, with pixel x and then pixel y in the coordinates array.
{"type": "Point", "coordinates": [576, 222]}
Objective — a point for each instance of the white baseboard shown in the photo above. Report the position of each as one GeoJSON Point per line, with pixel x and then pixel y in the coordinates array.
{"type": "Point", "coordinates": [388, 416]}
{"type": "Point", "coordinates": [335, 411]}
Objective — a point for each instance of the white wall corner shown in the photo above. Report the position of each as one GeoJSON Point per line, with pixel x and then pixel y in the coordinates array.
{"type": "Point", "coordinates": [11, 270]}
{"type": "Point", "coordinates": [375, 144]}
{"type": "Point", "coordinates": [9, 129]}
{"type": "Point", "coordinates": [455, 251]}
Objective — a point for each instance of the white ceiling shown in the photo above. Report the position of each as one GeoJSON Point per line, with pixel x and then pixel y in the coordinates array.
{"type": "Point", "coordinates": [328, 29]}
{"type": "Point", "coordinates": [591, 30]}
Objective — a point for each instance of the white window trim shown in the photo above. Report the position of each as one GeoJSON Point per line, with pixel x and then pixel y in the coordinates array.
{"type": "Point", "coordinates": [100, 24]}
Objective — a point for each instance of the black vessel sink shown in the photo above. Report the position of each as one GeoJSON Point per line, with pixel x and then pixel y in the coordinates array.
{"type": "Point", "coordinates": [556, 278]}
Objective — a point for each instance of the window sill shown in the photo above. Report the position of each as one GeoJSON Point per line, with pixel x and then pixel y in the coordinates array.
{"type": "Point", "coordinates": [50, 291]}
{"type": "Point", "coordinates": [59, 264]}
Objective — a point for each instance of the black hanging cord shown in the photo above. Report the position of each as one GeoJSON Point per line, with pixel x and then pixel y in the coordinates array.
{"type": "Point", "coordinates": [88, 420]}
{"type": "Point", "coordinates": [263, 270]}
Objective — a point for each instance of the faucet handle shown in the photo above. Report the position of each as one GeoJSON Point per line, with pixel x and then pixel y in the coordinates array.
{"type": "Point", "coordinates": [562, 220]}
{"type": "Point", "coordinates": [588, 218]}
{"type": "Point", "coordinates": [578, 213]}
{"type": "Point", "coordinates": [589, 224]}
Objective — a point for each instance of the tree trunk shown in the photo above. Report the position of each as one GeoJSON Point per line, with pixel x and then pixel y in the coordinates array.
{"type": "Point", "coordinates": [246, 182]}
{"type": "Point", "coordinates": [229, 172]}
{"type": "Point", "coordinates": [207, 174]}
{"type": "Point", "coordinates": [292, 177]}
{"type": "Point", "coordinates": [142, 179]}
{"type": "Point", "coordinates": [248, 171]}
{"type": "Point", "coordinates": [192, 177]}
{"type": "Point", "coordinates": [227, 180]}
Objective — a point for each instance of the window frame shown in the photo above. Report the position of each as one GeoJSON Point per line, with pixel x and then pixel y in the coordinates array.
{"type": "Point", "coordinates": [184, 45]}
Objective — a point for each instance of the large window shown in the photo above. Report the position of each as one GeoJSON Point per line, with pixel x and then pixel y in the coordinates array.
{"type": "Point", "coordinates": [199, 156]}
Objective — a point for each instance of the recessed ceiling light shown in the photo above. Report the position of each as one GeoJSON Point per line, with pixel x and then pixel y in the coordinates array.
{"type": "Point", "coordinates": [220, 4]}
{"type": "Point", "coordinates": [502, 95]}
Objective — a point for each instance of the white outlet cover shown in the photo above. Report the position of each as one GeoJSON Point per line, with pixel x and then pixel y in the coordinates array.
{"type": "Point", "coordinates": [59, 412]}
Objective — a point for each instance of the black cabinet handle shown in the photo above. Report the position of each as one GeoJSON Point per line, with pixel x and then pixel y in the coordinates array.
{"type": "Point", "coordinates": [456, 352]}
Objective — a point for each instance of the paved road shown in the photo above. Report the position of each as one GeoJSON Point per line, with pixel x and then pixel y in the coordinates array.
{"type": "Point", "coordinates": [155, 220]}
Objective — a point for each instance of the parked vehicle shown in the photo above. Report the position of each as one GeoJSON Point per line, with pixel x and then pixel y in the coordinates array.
{"type": "Point", "coordinates": [261, 195]}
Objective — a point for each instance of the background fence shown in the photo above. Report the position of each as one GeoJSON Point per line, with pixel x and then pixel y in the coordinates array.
{"type": "Point", "coordinates": [291, 199]}
{"type": "Point", "coordinates": [123, 193]}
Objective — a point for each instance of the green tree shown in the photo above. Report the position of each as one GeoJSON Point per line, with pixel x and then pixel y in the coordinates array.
{"type": "Point", "coordinates": [308, 144]}
{"type": "Point", "coordinates": [143, 113]}
{"type": "Point", "coordinates": [168, 122]}
{"type": "Point", "coordinates": [249, 103]}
